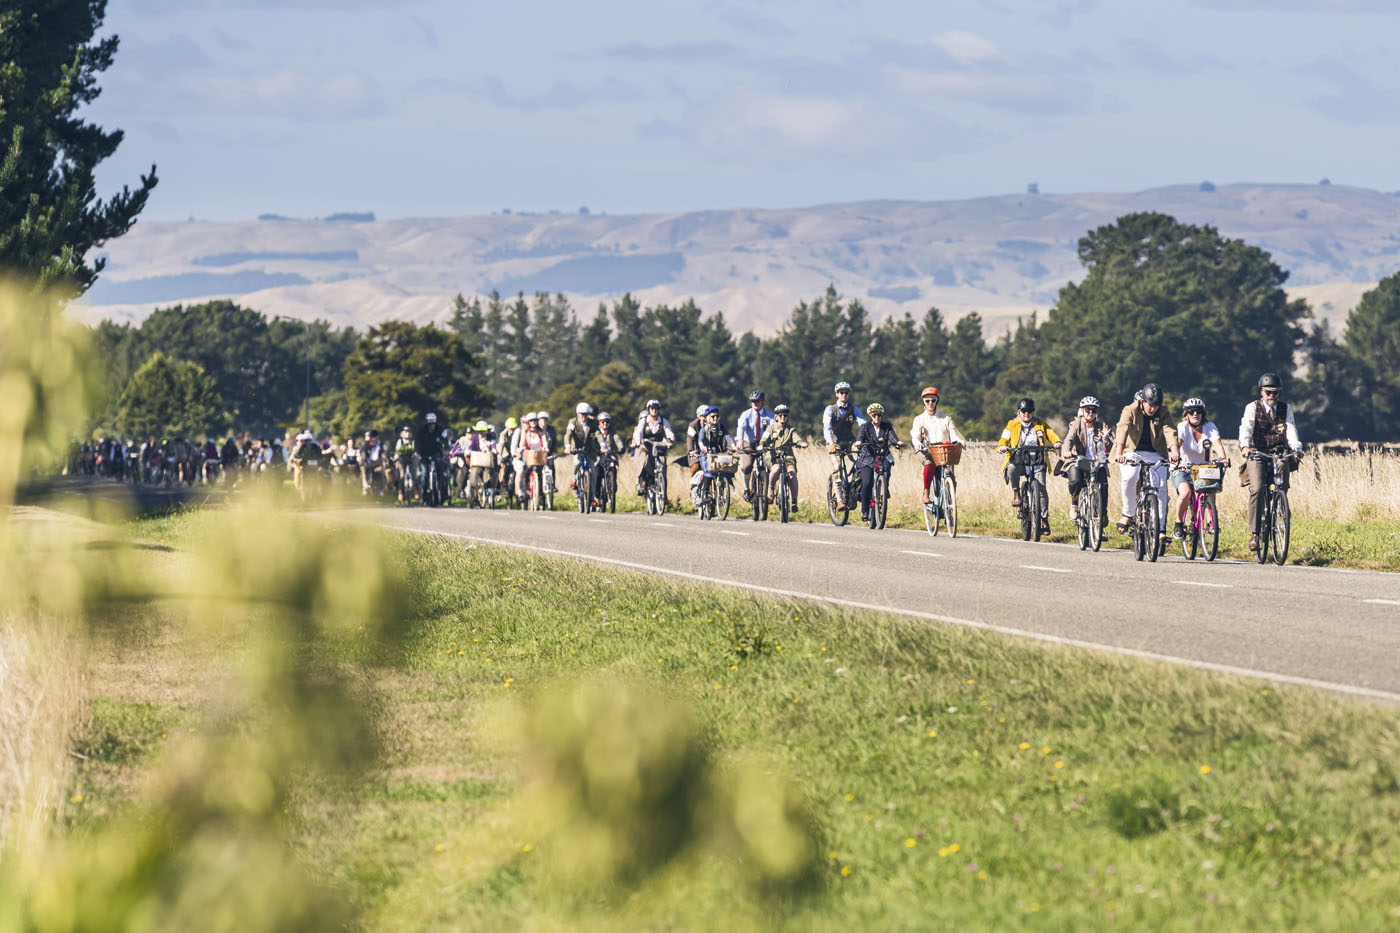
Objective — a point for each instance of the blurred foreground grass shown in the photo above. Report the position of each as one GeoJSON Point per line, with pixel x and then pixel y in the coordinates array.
{"type": "Point", "coordinates": [558, 746]}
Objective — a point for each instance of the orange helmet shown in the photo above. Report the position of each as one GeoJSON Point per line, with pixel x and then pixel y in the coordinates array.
{"type": "Point", "coordinates": [928, 390]}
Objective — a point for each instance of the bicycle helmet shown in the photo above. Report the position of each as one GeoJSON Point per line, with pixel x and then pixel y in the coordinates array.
{"type": "Point", "coordinates": [1270, 381]}
{"type": "Point", "coordinates": [432, 418]}
{"type": "Point", "coordinates": [1089, 401]}
{"type": "Point", "coordinates": [842, 387]}
{"type": "Point", "coordinates": [654, 403]}
{"type": "Point", "coordinates": [583, 408]}
{"type": "Point", "coordinates": [781, 410]}
{"type": "Point", "coordinates": [512, 424]}
{"type": "Point", "coordinates": [604, 416]}
{"type": "Point", "coordinates": [700, 410]}
{"type": "Point", "coordinates": [757, 395]}
{"type": "Point", "coordinates": [1193, 404]}
{"type": "Point", "coordinates": [1026, 404]}
{"type": "Point", "coordinates": [927, 391]}
{"type": "Point", "coordinates": [529, 416]}
{"type": "Point", "coordinates": [1152, 394]}
{"type": "Point", "coordinates": [874, 408]}
{"type": "Point", "coordinates": [543, 416]}
{"type": "Point", "coordinates": [480, 426]}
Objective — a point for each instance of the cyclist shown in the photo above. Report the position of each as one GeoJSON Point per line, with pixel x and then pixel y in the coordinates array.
{"type": "Point", "coordinates": [577, 432]}
{"type": "Point", "coordinates": [651, 427]}
{"type": "Point", "coordinates": [749, 432]}
{"type": "Point", "coordinates": [710, 439]}
{"type": "Point", "coordinates": [306, 449]}
{"type": "Point", "coordinates": [875, 433]}
{"type": "Point", "coordinates": [692, 436]}
{"type": "Point", "coordinates": [840, 422]}
{"type": "Point", "coordinates": [1087, 437]}
{"type": "Point", "coordinates": [371, 457]}
{"type": "Point", "coordinates": [533, 436]}
{"type": "Point", "coordinates": [476, 441]}
{"type": "Point", "coordinates": [1026, 430]}
{"type": "Point", "coordinates": [933, 427]}
{"type": "Point", "coordinates": [1143, 429]}
{"type": "Point", "coordinates": [1191, 436]}
{"type": "Point", "coordinates": [1266, 426]}
{"type": "Point", "coordinates": [603, 446]}
{"type": "Point", "coordinates": [783, 438]}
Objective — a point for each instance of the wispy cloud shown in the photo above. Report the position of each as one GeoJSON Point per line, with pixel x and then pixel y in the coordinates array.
{"type": "Point", "coordinates": [1305, 6]}
{"type": "Point", "coordinates": [676, 53]}
{"type": "Point", "coordinates": [756, 25]}
{"type": "Point", "coordinates": [1146, 54]}
{"type": "Point", "coordinates": [1354, 97]}
{"type": "Point", "coordinates": [563, 95]}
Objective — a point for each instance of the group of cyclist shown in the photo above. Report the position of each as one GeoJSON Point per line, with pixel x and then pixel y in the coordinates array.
{"type": "Point", "coordinates": [1143, 438]}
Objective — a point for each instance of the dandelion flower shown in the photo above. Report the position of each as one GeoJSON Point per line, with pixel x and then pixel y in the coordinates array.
{"type": "Point", "coordinates": [845, 871]}
{"type": "Point", "coordinates": [982, 875]}
{"type": "Point", "coordinates": [933, 734]}
{"type": "Point", "coordinates": [954, 847]}
{"type": "Point", "coordinates": [832, 854]}
{"type": "Point", "coordinates": [439, 848]}
{"type": "Point", "coordinates": [1205, 769]}
{"type": "Point", "coordinates": [76, 798]}
{"type": "Point", "coordinates": [527, 848]}
{"type": "Point", "coordinates": [850, 797]}
{"type": "Point", "coordinates": [1025, 745]}
{"type": "Point", "coordinates": [1059, 764]}
{"type": "Point", "coordinates": [910, 843]}
{"type": "Point", "coordinates": [1045, 751]}
{"type": "Point", "coordinates": [943, 853]}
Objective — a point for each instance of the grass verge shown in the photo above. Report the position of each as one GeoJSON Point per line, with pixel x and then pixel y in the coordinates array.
{"type": "Point", "coordinates": [952, 777]}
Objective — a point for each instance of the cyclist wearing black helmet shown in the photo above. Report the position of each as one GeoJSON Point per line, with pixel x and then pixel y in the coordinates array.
{"type": "Point", "coordinates": [783, 438]}
{"type": "Point", "coordinates": [1026, 430]}
{"type": "Point", "coordinates": [1144, 432]}
{"type": "Point", "coordinates": [749, 433]}
{"type": "Point", "coordinates": [1267, 426]}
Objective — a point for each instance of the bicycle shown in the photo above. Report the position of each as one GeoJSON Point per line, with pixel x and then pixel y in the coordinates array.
{"type": "Point", "coordinates": [583, 483]}
{"type": "Point", "coordinates": [1090, 523]}
{"type": "Point", "coordinates": [654, 491]}
{"type": "Point", "coordinates": [1275, 517]}
{"type": "Point", "coordinates": [1203, 531]}
{"type": "Point", "coordinates": [607, 495]}
{"type": "Point", "coordinates": [716, 485]}
{"type": "Point", "coordinates": [480, 470]}
{"type": "Point", "coordinates": [1031, 491]}
{"type": "Point", "coordinates": [877, 509]}
{"type": "Point", "coordinates": [1146, 526]}
{"type": "Point", "coordinates": [757, 485]}
{"type": "Point", "coordinates": [783, 494]}
{"type": "Point", "coordinates": [539, 480]}
{"type": "Point", "coordinates": [943, 508]}
{"type": "Point", "coordinates": [841, 488]}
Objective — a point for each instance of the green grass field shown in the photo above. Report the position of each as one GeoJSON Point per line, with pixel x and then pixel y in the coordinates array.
{"type": "Point", "coordinates": [942, 778]}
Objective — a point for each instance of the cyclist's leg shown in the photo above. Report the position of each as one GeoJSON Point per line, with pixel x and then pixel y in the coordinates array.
{"type": "Point", "coordinates": [836, 459]}
{"type": "Point", "coordinates": [1075, 479]}
{"type": "Point", "coordinates": [774, 471]}
{"type": "Point", "coordinates": [1257, 471]}
{"type": "Point", "coordinates": [792, 478]}
{"type": "Point", "coordinates": [931, 474]}
{"type": "Point", "coordinates": [1157, 477]}
{"type": "Point", "coordinates": [867, 484]}
{"type": "Point", "coordinates": [1010, 474]}
{"type": "Point", "coordinates": [1127, 478]}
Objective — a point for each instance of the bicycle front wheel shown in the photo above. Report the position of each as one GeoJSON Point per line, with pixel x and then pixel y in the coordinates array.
{"type": "Point", "coordinates": [1037, 508]}
{"type": "Point", "coordinates": [1192, 539]}
{"type": "Point", "coordinates": [881, 506]}
{"type": "Point", "coordinates": [931, 518]}
{"type": "Point", "coordinates": [1094, 517]}
{"type": "Point", "coordinates": [1082, 526]}
{"type": "Point", "coordinates": [950, 505]}
{"type": "Point", "coordinates": [1282, 527]}
{"type": "Point", "coordinates": [784, 498]}
{"type": "Point", "coordinates": [1152, 530]}
{"type": "Point", "coordinates": [722, 499]}
{"type": "Point", "coordinates": [838, 514]}
{"type": "Point", "coordinates": [1210, 527]}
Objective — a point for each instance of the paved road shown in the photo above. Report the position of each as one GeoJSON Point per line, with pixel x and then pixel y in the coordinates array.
{"type": "Point", "coordinates": [1333, 629]}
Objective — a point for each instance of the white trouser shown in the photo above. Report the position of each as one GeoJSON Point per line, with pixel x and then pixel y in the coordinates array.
{"type": "Point", "coordinates": [1157, 477]}
{"type": "Point", "coordinates": [519, 477]}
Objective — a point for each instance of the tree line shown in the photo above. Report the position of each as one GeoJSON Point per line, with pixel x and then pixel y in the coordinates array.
{"type": "Point", "coordinates": [1161, 300]}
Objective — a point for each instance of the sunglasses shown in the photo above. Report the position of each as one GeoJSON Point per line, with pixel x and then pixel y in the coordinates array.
{"type": "Point", "coordinates": [1271, 393]}
{"type": "Point", "coordinates": [1091, 411]}
{"type": "Point", "coordinates": [930, 398]}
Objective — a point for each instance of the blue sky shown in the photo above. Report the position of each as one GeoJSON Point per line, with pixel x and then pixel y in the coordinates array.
{"type": "Point", "coordinates": [448, 107]}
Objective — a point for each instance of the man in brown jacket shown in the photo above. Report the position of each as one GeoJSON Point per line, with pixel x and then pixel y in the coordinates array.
{"type": "Point", "coordinates": [1144, 433]}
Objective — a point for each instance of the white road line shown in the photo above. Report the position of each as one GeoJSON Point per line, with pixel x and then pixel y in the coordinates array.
{"type": "Point", "coordinates": [1212, 666]}
{"type": "Point", "coordinates": [601, 521]}
{"type": "Point", "coordinates": [1223, 586]}
{"type": "Point", "coordinates": [818, 541]}
{"type": "Point", "coordinates": [1383, 602]}
{"type": "Point", "coordinates": [663, 524]}
{"type": "Point", "coordinates": [1046, 569]}
{"type": "Point", "coordinates": [922, 553]}
{"type": "Point", "coordinates": [727, 532]}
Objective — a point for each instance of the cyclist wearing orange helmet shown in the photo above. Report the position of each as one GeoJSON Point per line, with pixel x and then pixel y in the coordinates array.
{"type": "Point", "coordinates": [932, 427]}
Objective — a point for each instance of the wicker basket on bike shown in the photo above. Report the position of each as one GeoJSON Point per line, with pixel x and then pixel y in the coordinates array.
{"type": "Point", "coordinates": [1207, 477]}
{"type": "Point", "coordinates": [534, 458]}
{"type": "Point", "coordinates": [724, 464]}
{"type": "Point", "coordinates": [945, 454]}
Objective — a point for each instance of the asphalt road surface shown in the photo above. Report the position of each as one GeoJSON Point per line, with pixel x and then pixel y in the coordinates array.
{"type": "Point", "coordinates": [1330, 629]}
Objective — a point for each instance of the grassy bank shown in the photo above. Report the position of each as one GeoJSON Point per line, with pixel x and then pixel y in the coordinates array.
{"type": "Point", "coordinates": [946, 777]}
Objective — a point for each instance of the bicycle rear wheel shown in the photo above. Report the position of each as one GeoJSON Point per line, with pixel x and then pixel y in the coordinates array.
{"type": "Point", "coordinates": [1094, 517]}
{"type": "Point", "coordinates": [784, 497]}
{"type": "Point", "coordinates": [722, 498]}
{"type": "Point", "coordinates": [1037, 492]}
{"type": "Point", "coordinates": [611, 490]}
{"type": "Point", "coordinates": [839, 515]}
{"type": "Point", "coordinates": [1210, 527]}
{"type": "Point", "coordinates": [882, 500]}
{"type": "Point", "coordinates": [931, 518]}
{"type": "Point", "coordinates": [1082, 525]}
{"type": "Point", "coordinates": [1282, 527]}
{"type": "Point", "coordinates": [585, 501]}
{"type": "Point", "coordinates": [756, 491]}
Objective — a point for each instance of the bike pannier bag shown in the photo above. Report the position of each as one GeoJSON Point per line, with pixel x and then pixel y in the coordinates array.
{"type": "Point", "coordinates": [483, 458]}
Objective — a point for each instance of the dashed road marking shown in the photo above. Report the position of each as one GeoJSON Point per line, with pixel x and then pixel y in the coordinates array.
{"type": "Point", "coordinates": [725, 531]}
{"type": "Point", "coordinates": [1223, 586]}
{"type": "Point", "coordinates": [818, 541]}
{"type": "Point", "coordinates": [663, 524]}
{"type": "Point", "coordinates": [1382, 602]}
{"type": "Point", "coordinates": [922, 553]}
{"type": "Point", "coordinates": [1046, 569]}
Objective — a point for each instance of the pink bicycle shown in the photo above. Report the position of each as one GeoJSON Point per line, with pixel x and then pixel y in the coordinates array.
{"type": "Point", "coordinates": [1203, 527]}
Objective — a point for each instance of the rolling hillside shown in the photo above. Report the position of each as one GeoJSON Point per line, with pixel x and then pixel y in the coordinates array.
{"type": "Point", "coordinates": [1002, 256]}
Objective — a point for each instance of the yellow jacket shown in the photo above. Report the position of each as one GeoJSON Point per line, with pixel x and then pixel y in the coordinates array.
{"type": "Point", "coordinates": [1011, 436]}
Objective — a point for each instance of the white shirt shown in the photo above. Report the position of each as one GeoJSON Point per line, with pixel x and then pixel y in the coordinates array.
{"type": "Point", "coordinates": [1192, 450]}
{"type": "Point", "coordinates": [937, 428]}
{"type": "Point", "coordinates": [1247, 427]}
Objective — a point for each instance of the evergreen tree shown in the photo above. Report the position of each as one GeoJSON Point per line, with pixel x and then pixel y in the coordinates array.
{"type": "Point", "coordinates": [1373, 352]}
{"type": "Point", "coordinates": [169, 398]}
{"type": "Point", "coordinates": [627, 333]}
{"type": "Point", "coordinates": [968, 371]}
{"type": "Point", "coordinates": [50, 218]}
{"type": "Point", "coordinates": [894, 366]}
{"type": "Point", "coordinates": [933, 347]}
{"type": "Point", "coordinates": [1014, 368]}
{"type": "Point", "coordinates": [1328, 405]}
{"type": "Point", "coordinates": [517, 376]}
{"type": "Point", "coordinates": [469, 322]}
{"type": "Point", "coordinates": [595, 347]}
{"type": "Point", "coordinates": [619, 391]}
{"type": "Point", "coordinates": [399, 372]}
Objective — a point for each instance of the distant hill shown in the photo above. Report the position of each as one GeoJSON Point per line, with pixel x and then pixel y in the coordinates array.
{"type": "Point", "coordinates": [1003, 256]}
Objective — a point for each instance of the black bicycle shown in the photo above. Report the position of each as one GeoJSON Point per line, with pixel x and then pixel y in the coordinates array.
{"type": "Point", "coordinates": [842, 487]}
{"type": "Point", "coordinates": [757, 484]}
{"type": "Point", "coordinates": [1030, 488]}
{"type": "Point", "coordinates": [1274, 521]}
{"type": "Point", "coordinates": [583, 482]}
{"type": "Point", "coordinates": [1090, 524]}
{"type": "Point", "coordinates": [716, 485]}
{"type": "Point", "coordinates": [783, 495]}
{"type": "Point", "coordinates": [1146, 526]}
{"type": "Point", "coordinates": [654, 489]}
{"type": "Point", "coordinates": [877, 509]}
{"type": "Point", "coordinates": [435, 482]}
{"type": "Point", "coordinates": [607, 495]}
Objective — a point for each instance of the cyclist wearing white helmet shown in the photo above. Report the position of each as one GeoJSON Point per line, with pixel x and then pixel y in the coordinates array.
{"type": "Point", "coordinates": [651, 426]}
{"type": "Point", "coordinates": [576, 434]}
{"type": "Point", "coordinates": [1085, 440]}
{"type": "Point", "coordinates": [1193, 436]}
{"type": "Point", "coordinates": [840, 422]}
{"type": "Point", "coordinates": [692, 436]}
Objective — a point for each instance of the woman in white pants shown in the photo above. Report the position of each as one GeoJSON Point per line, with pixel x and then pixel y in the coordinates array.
{"type": "Point", "coordinates": [1144, 437]}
